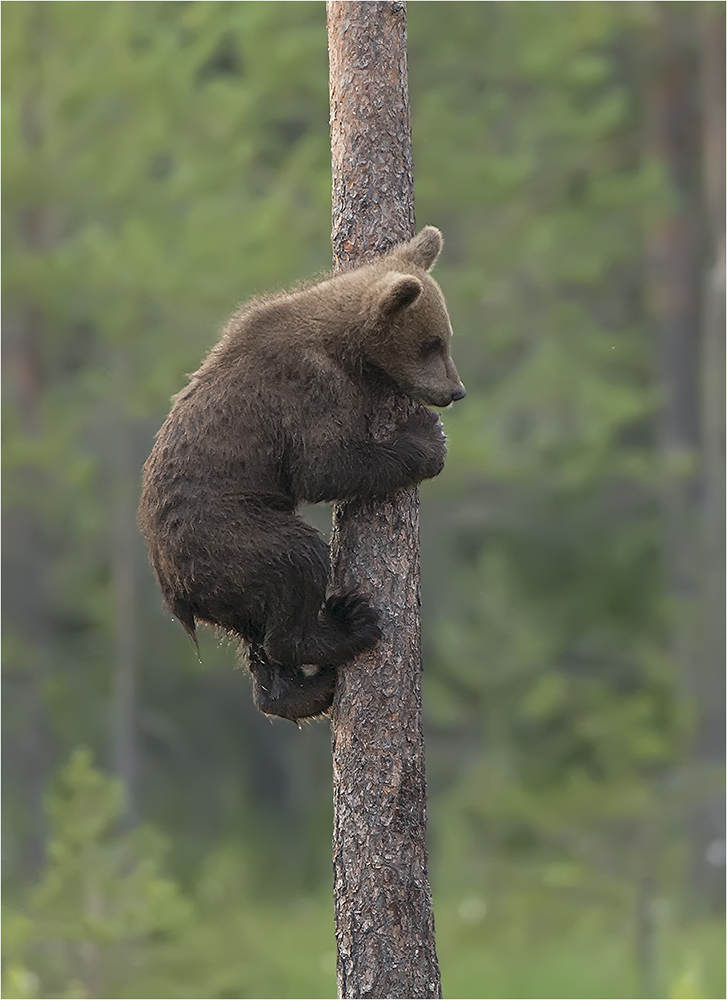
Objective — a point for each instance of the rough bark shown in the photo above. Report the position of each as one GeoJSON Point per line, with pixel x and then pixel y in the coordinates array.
{"type": "Point", "coordinates": [382, 898]}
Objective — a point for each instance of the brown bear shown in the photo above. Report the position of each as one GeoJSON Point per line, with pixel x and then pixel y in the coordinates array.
{"type": "Point", "coordinates": [279, 413]}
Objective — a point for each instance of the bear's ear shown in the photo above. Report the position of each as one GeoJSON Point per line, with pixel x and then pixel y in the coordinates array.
{"type": "Point", "coordinates": [423, 250]}
{"type": "Point", "coordinates": [395, 292]}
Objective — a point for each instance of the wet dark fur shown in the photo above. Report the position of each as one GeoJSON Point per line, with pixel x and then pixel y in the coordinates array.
{"type": "Point", "coordinates": [277, 414]}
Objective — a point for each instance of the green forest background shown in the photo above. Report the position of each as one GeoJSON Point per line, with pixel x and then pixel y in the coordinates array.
{"type": "Point", "coordinates": [164, 161]}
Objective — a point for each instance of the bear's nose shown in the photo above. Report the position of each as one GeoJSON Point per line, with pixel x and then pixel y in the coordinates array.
{"type": "Point", "coordinates": [459, 393]}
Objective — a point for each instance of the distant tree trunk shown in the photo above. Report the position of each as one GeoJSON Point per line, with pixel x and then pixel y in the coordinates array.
{"type": "Point", "coordinates": [712, 621]}
{"type": "Point", "coordinates": [671, 138]}
{"type": "Point", "coordinates": [683, 135]}
{"type": "Point", "coordinates": [712, 78]}
{"type": "Point", "coordinates": [382, 898]}
{"type": "Point", "coordinates": [124, 549]}
{"type": "Point", "coordinates": [27, 599]}
{"type": "Point", "coordinates": [675, 299]}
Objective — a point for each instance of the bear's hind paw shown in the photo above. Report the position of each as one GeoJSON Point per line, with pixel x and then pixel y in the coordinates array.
{"type": "Point", "coordinates": [353, 613]}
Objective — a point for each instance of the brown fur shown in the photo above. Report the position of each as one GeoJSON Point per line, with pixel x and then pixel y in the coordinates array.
{"type": "Point", "coordinates": [279, 413]}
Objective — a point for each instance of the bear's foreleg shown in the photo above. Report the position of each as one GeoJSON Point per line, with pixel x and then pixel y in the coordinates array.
{"type": "Point", "coordinates": [369, 468]}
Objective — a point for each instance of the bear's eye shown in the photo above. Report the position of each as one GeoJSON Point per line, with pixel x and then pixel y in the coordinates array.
{"type": "Point", "coordinates": [433, 346]}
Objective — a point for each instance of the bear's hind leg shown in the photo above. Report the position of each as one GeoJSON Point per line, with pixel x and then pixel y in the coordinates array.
{"type": "Point", "coordinates": [287, 691]}
{"type": "Point", "coordinates": [301, 625]}
{"type": "Point", "coordinates": [335, 633]}
{"type": "Point", "coordinates": [355, 624]}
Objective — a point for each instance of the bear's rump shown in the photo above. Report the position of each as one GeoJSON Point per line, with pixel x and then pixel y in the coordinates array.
{"type": "Point", "coordinates": [238, 568]}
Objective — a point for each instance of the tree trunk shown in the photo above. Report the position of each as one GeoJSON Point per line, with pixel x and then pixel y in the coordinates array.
{"type": "Point", "coordinates": [382, 898]}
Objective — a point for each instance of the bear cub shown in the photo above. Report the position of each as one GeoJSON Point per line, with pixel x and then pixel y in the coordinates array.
{"type": "Point", "coordinates": [280, 413]}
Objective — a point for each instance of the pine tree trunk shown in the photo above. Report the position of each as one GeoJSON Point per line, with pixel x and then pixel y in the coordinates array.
{"type": "Point", "coordinates": [382, 898]}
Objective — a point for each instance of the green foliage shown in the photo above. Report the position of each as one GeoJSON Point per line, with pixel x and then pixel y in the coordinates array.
{"type": "Point", "coordinates": [164, 161]}
{"type": "Point", "coordinates": [548, 649]}
{"type": "Point", "coordinates": [105, 921]}
{"type": "Point", "coordinates": [528, 955]}
{"type": "Point", "coordinates": [102, 917]}
{"type": "Point", "coordinates": [164, 164]}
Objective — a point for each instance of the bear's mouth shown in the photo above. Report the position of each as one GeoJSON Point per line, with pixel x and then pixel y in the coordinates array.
{"type": "Point", "coordinates": [438, 403]}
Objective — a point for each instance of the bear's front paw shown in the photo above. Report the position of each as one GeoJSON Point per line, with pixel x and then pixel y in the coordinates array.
{"type": "Point", "coordinates": [425, 433]}
{"type": "Point", "coordinates": [424, 423]}
{"type": "Point", "coordinates": [434, 461]}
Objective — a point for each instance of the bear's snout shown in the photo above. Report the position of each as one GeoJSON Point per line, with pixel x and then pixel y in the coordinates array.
{"type": "Point", "coordinates": [459, 393]}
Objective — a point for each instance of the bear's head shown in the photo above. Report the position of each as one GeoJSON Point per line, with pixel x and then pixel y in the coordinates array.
{"type": "Point", "coordinates": [410, 332]}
